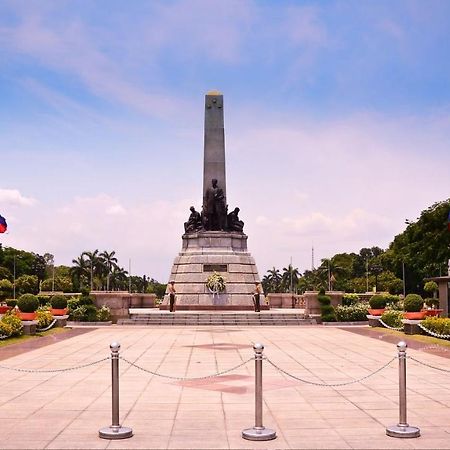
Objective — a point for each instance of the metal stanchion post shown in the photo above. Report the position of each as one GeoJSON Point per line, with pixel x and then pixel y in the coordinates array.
{"type": "Point", "coordinates": [115, 431]}
{"type": "Point", "coordinates": [402, 429]}
{"type": "Point", "coordinates": [258, 432]}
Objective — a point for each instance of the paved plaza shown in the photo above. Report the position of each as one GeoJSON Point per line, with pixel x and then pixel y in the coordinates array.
{"type": "Point", "coordinates": [65, 410]}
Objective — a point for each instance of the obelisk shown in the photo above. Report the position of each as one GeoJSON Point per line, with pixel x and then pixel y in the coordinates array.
{"type": "Point", "coordinates": [214, 142]}
{"type": "Point", "coordinates": [210, 244]}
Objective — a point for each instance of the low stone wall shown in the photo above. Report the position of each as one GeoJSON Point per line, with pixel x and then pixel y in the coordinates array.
{"type": "Point", "coordinates": [120, 301]}
{"type": "Point", "coordinates": [312, 305]}
{"type": "Point", "coordinates": [278, 300]}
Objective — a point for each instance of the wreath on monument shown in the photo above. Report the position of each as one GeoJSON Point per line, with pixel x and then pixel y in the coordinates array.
{"type": "Point", "coordinates": [215, 283]}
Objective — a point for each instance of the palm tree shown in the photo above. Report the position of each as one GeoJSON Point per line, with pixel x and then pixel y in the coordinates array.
{"type": "Point", "coordinates": [109, 261]}
{"type": "Point", "coordinates": [274, 279]}
{"type": "Point", "coordinates": [329, 270]}
{"type": "Point", "coordinates": [79, 270]}
{"type": "Point", "coordinates": [119, 278]}
{"type": "Point", "coordinates": [94, 263]}
{"type": "Point", "coordinates": [290, 278]}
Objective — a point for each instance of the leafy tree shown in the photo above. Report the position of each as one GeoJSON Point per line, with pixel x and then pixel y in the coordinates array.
{"type": "Point", "coordinates": [424, 247]}
{"type": "Point", "coordinates": [6, 289]}
{"type": "Point", "coordinates": [27, 284]}
{"type": "Point", "coordinates": [62, 283]}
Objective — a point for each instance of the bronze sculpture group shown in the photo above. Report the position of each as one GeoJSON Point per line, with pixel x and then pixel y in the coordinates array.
{"type": "Point", "coordinates": [214, 216]}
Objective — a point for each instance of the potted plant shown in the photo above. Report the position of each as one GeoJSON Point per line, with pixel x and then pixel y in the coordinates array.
{"type": "Point", "coordinates": [27, 304]}
{"type": "Point", "coordinates": [59, 305]}
{"type": "Point", "coordinates": [432, 307]}
{"type": "Point", "coordinates": [377, 305]}
{"type": "Point", "coordinates": [413, 305]}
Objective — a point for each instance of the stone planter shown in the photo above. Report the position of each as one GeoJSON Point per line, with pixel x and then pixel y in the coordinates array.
{"type": "Point", "coordinates": [27, 316]}
{"type": "Point", "coordinates": [377, 312]}
{"type": "Point", "coordinates": [433, 312]}
{"type": "Point", "coordinates": [59, 312]}
{"type": "Point", "coordinates": [4, 309]}
{"type": "Point", "coordinates": [416, 315]}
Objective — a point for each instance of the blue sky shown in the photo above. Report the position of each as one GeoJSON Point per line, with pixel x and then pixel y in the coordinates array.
{"type": "Point", "coordinates": [337, 122]}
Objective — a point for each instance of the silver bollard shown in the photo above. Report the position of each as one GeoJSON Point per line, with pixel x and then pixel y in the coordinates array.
{"type": "Point", "coordinates": [115, 431]}
{"type": "Point", "coordinates": [258, 432]}
{"type": "Point", "coordinates": [402, 429]}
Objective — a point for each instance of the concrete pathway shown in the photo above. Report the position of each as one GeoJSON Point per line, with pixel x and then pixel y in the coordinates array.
{"type": "Point", "coordinates": [65, 410]}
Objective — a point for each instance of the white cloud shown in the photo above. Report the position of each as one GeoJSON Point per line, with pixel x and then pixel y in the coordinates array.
{"type": "Point", "coordinates": [13, 197]}
{"type": "Point", "coordinates": [116, 210]}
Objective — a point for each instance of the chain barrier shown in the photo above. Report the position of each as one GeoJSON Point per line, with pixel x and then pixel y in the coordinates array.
{"type": "Point", "coordinates": [428, 365]}
{"type": "Point", "coordinates": [68, 369]}
{"type": "Point", "coordinates": [389, 327]}
{"type": "Point", "coordinates": [40, 330]}
{"type": "Point", "coordinates": [346, 383]}
{"type": "Point", "coordinates": [432, 333]}
{"type": "Point", "coordinates": [186, 378]}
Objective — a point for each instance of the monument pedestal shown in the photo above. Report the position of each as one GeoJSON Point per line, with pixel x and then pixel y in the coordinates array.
{"type": "Point", "coordinates": [205, 252]}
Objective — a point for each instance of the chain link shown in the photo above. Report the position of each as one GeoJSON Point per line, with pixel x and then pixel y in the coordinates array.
{"type": "Point", "coordinates": [314, 383]}
{"type": "Point", "coordinates": [68, 369]}
{"type": "Point", "coordinates": [40, 330]}
{"type": "Point", "coordinates": [389, 327]}
{"type": "Point", "coordinates": [427, 365]}
{"type": "Point", "coordinates": [186, 378]}
{"type": "Point", "coordinates": [432, 333]}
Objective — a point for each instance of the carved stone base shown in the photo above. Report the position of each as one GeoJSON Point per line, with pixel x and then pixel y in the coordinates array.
{"type": "Point", "coordinates": [208, 251]}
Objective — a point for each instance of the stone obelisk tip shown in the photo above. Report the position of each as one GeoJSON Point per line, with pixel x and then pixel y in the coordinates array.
{"type": "Point", "coordinates": [214, 143]}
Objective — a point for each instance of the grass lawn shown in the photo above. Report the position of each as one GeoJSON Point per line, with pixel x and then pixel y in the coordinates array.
{"type": "Point", "coordinates": [24, 338]}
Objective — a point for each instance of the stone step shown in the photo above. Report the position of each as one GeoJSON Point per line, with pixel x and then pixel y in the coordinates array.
{"type": "Point", "coordinates": [241, 320]}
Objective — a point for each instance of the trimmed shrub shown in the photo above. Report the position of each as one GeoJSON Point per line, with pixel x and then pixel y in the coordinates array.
{"type": "Point", "coordinates": [413, 303]}
{"type": "Point", "coordinates": [329, 318]}
{"type": "Point", "coordinates": [439, 325]}
{"type": "Point", "coordinates": [104, 314]}
{"type": "Point", "coordinates": [350, 299]}
{"type": "Point", "coordinates": [58, 302]}
{"type": "Point", "coordinates": [353, 313]}
{"type": "Point", "coordinates": [324, 300]}
{"type": "Point", "coordinates": [432, 302]}
{"type": "Point", "coordinates": [377, 301]}
{"type": "Point", "coordinates": [28, 303]}
{"type": "Point", "coordinates": [43, 299]}
{"type": "Point", "coordinates": [326, 310]}
{"type": "Point", "coordinates": [393, 318]}
{"type": "Point", "coordinates": [86, 300]}
{"type": "Point", "coordinates": [44, 317]}
{"type": "Point", "coordinates": [430, 287]}
{"type": "Point", "coordinates": [11, 302]}
{"type": "Point", "coordinates": [14, 322]}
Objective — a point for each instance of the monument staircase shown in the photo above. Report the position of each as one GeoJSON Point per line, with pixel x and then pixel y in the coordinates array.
{"type": "Point", "coordinates": [242, 318]}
